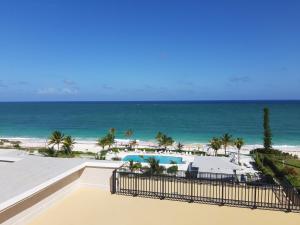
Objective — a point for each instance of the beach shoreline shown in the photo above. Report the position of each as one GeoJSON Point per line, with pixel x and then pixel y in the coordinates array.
{"type": "Point", "coordinates": [90, 145]}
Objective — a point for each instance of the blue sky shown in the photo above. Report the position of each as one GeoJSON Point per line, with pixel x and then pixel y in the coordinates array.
{"type": "Point", "coordinates": [149, 50]}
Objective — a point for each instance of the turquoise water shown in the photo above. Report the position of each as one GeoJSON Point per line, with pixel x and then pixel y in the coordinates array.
{"type": "Point", "coordinates": [160, 158]}
{"type": "Point", "coordinates": [184, 121]}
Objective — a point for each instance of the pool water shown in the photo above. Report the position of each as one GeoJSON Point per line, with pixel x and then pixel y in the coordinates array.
{"type": "Point", "coordinates": [162, 159]}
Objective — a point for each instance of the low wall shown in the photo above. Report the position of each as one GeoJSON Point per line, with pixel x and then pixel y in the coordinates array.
{"type": "Point", "coordinates": [31, 205]}
{"type": "Point", "coordinates": [94, 176]}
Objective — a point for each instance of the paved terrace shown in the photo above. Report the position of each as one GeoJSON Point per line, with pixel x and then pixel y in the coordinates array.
{"type": "Point", "coordinates": [94, 206]}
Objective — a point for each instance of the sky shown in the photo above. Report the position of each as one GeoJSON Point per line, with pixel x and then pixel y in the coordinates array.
{"type": "Point", "coordinates": [149, 50]}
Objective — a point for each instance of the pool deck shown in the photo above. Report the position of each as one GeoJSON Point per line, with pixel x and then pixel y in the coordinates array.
{"type": "Point", "coordinates": [187, 159]}
{"type": "Point", "coordinates": [94, 206]}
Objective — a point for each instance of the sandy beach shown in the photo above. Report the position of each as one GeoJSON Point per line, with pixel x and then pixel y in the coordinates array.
{"type": "Point", "coordinates": [89, 145]}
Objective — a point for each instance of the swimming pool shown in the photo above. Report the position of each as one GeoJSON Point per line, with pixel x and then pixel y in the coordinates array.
{"type": "Point", "coordinates": [162, 159]}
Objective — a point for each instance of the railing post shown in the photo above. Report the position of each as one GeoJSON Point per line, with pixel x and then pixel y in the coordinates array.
{"type": "Point", "coordinates": [162, 194]}
{"type": "Point", "coordinates": [289, 199]}
{"type": "Point", "coordinates": [113, 182]}
{"type": "Point", "coordinates": [254, 205]}
{"type": "Point", "coordinates": [135, 185]}
{"type": "Point", "coordinates": [191, 191]}
{"type": "Point", "coordinates": [222, 182]}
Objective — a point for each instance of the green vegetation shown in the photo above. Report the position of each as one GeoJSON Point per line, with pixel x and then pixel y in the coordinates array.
{"type": "Point", "coordinates": [132, 144]}
{"type": "Point", "coordinates": [154, 167]}
{"type": "Point", "coordinates": [56, 138]}
{"type": "Point", "coordinates": [73, 154]}
{"type": "Point", "coordinates": [179, 146]}
{"type": "Point", "coordinates": [101, 155]}
{"type": "Point", "coordinates": [164, 140]}
{"type": "Point", "coordinates": [134, 166]}
{"type": "Point", "coordinates": [108, 139]}
{"type": "Point", "coordinates": [227, 141]}
{"type": "Point", "coordinates": [11, 144]}
{"type": "Point", "coordinates": [215, 144]}
{"type": "Point", "coordinates": [276, 164]}
{"type": "Point", "coordinates": [68, 144]}
{"type": "Point", "coordinates": [267, 130]}
{"type": "Point", "coordinates": [51, 152]}
{"type": "Point", "coordinates": [116, 159]}
{"type": "Point", "coordinates": [279, 165]}
{"type": "Point", "coordinates": [172, 169]}
{"type": "Point", "coordinates": [238, 143]}
{"type": "Point", "coordinates": [128, 133]}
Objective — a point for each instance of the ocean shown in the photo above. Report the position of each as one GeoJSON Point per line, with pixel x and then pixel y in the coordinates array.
{"type": "Point", "coordinates": [185, 121]}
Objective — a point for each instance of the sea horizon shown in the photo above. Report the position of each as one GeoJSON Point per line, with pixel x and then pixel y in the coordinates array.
{"type": "Point", "coordinates": [157, 101]}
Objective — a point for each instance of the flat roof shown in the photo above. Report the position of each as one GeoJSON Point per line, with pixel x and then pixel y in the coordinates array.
{"type": "Point", "coordinates": [29, 171]}
{"type": "Point", "coordinates": [212, 164]}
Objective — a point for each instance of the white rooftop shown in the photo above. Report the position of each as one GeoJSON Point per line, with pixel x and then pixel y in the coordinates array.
{"type": "Point", "coordinates": [23, 172]}
{"type": "Point", "coordinates": [212, 164]}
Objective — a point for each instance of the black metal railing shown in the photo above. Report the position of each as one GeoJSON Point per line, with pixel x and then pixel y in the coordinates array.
{"type": "Point", "coordinates": [208, 176]}
{"type": "Point", "coordinates": [221, 191]}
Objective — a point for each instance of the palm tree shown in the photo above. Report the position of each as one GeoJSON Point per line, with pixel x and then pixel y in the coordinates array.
{"type": "Point", "coordinates": [112, 131]}
{"type": "Point", "coordinates": [110, 140]}
{"type": "Point", "coordinates": [128, 133]}
{"type": "Point", "coordinates": [158, 136]}
{"type": "Point", "coordinates": [102, 142]}
{"type": "Point", "coordinates": [134, 166]}
{"type": "Point", "coordinates": [68, 144]}
{"type": "Point", "coordinates": [226, 141]}
{"type": "Point", "coordinates": [215, 144]}
{"type": "Point", "coordinates": [56, 138]}
{"type": "Point", "coordinates": [179, 146]}
{"type": "Point", "coordinates": [132, 144]}
{"type": "Point", "coordinates": [239, 143]}
{"type": "Point", "coordinates": [155, 168]}
{"type": "Point", "coordinates": [164, 140]}
{"type": "Point", "coordinates": [131, 165]}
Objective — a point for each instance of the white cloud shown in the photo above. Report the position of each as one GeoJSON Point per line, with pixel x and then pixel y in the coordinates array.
{"type": "Point", "coordinates": [57, 91]}
{"type": "Point", "coordinates": [69, 90]}
{"type": "Point", "coordinates": [239, 79]}
{"type": "Point", "coordinates": [69, 82]}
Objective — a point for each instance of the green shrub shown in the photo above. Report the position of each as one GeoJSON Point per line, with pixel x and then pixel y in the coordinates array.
{"type": "Point", "coordinates": [289, 171]}
{"type": "Point", "coordinates": [172, 169]}
{"type": "Point", "coordinates": [134, 166]}
{"type": "Point", "coordinates": [50, 152]}
{"type": "Point", "coordinates": [116, 159]}
{"type": "Point", "coordinates": [101, 155]}
{"type": "Point", "coordinates": [115, 150]}
{"type": "Point", "coordinates": [16, 146]}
